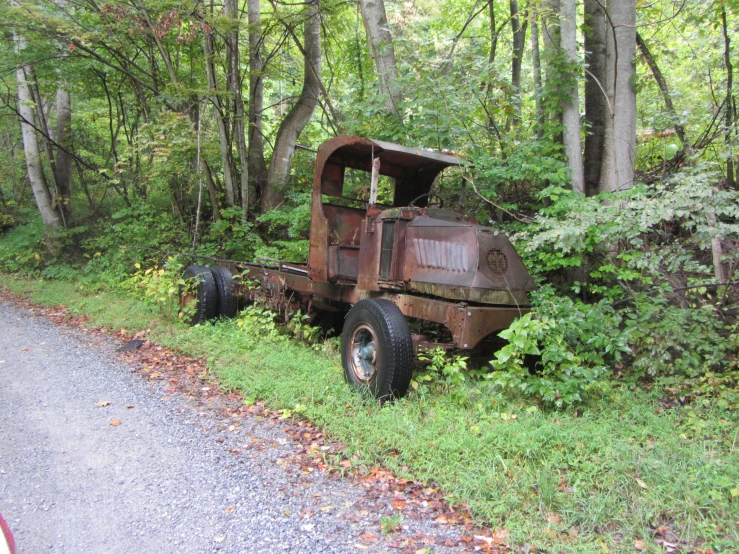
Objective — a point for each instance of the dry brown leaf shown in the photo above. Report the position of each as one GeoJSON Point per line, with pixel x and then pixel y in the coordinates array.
{"type": "Point", "coordinates": [102, 403]}
{"type": "Point", "coordinates": [398, 504]}
{"type": "Point", "coordinates": [642, 484]}
{"type": "Point", "coordinates": [229, 509]}
{"type": "Point", "coordinates": [115, 423]}
{"type": "Point", "coordinates": [640, 544]}
{"type": "Point", "coordinates": [368, 537]}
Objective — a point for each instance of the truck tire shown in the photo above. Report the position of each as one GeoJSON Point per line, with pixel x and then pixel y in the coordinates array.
{"type": "Point", "coordinates": [376, 349]}
{"type": "Point", "coordinates": [225, 286]}
{"type": "Point", "coordinates": [205, 294]}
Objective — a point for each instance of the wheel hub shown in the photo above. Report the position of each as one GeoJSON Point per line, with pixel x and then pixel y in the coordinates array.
{"type": "Point", "coordinates": [364, 353]}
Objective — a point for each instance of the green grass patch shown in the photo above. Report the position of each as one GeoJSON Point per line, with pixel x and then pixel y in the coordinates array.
{"type": "Point", "coordinates": [596, 478]}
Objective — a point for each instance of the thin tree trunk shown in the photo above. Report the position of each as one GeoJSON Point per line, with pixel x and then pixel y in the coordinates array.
{"type": "Point", "coordinates": [662, 83]}
{"type": "Point", "coordinates": [212, 193]}
{"type": "Point", "coordinates": [223, 126]}
{"type": "Point", "coordinates": [297, 118]}
{"type": "Point", "coordinates": [63, 139]}
{"type": "Point", "coordinates": [257, 165]}
{"type": "Point", "coordinates": [536, 62]}
{"type": "Point", "coordinates": [381, 47]}
{"type": "Point", "coordinates": [30, 143]}
{"type": "Point", "coordinates": [619, 150]}
{"type": "Point", "coordinates": [596, 102]}
{"type": "Point", "coordinates": [717, 251]}
{"type": "Point", "coordinates": [493, 32]}
{"type": "Point", "coordinates": [571, 105]}
{"type": "Point", "coordinates": [550, 31]}
{"type": "Point", "coordinates": [234, 85]}
{"type": "Point", "coordinates": [63, 159]}
{"type": "Point", "coordinates": [518, 42]}
{"type": "Point", "coordinates": [730, 179]}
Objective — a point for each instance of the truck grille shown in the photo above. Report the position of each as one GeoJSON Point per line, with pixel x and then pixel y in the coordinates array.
{"type": "Point", "coordinates": [386, 254]}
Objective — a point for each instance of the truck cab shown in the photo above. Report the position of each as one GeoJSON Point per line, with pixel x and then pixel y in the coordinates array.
{"type": "Point", "coordinates": [397, 240]}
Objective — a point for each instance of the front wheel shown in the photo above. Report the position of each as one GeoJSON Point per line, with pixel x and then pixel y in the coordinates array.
{"type": "Point", "coordinates": [376, 349]}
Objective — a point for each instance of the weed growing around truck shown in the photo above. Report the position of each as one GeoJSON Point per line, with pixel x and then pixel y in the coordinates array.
{"type": "Point", "coordinates": [628, 470]}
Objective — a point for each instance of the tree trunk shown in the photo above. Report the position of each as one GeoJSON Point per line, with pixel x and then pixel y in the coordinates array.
{"type": "Point", "coordinates": [57, 202]}
{"type": "Point", "coordinates": [596, 103]}
{"type": "Point", "coordinates": [550, 31]}
{"type": "Point", "coordinates": [519, 40]}
{"type": "Point", "coordinates": [619, 149]}
{"type": "Point", "coordinates": [571, 105]}
{"type": "Point", "coordinates": [730, 180]}
{"type": "Point", "coordinates": [223, 126]}
{"type": "Point", "coordinates": [257, 165]}
{"type": "Point", "coordinates": [211, 189]}
{"type": "Point", "coordinates": [63, 158]}
{"type": "Point", "coordinates": [30, 144]}
{"type": "Point", "coordinates": [298, 117]}
{"type": "Point", "coordinates": [231, 9]}
{"type": "Point", "coordinates": [493, 32]}
{"type": "Point", "coordinates": [662, 83]}
{"type": "Point", "coordinates": [536, 62]}
{"type": "Point", "coordinates": [381, 47]}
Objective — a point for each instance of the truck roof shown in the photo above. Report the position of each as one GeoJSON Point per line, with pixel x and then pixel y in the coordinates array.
{"type": "Point", "coordinates": [414, 169]}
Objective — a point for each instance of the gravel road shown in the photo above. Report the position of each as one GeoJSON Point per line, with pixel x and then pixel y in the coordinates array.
{"type": "Point", "coordinates": [73, 481]}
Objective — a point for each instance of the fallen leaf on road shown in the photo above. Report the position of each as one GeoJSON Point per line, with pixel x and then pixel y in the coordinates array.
{"type": "Point", "coordinates": [102, 403]}
{"type": "Point", "coordinates": [25, 349]}
{"type": "Point", "coordinates": [368, 537]}
{"type": "Point", "coordinates": [229, 509]}
{"type": "Point", "coordinates": [129, 407]}
{"type": "Point", "coordinates": [115, 423]}
{"type": "Point", "coordinates": [398, 504]}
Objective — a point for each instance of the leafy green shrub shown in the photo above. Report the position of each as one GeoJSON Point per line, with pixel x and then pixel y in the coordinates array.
{"type": "Point", "coordinates": [6, 222]}
{"type": "Point", "coordinates": [113, 252]}
{"type": "Point", "coordinates": [160, 287]}
{"type": "Point", "coordinates": [448, 372]}
{"type": "Point", "coordinates": [20, 248]}
{"type": "Point", "coordinates": [639, 249]}
{"type": "Point", "coordinates": [670, 340]}
{"type": "Point", "coordinates": [576, 343]}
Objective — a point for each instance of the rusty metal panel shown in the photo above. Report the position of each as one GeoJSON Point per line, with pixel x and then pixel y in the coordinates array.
{"type": "Point", "coordinates": [500, 265]}
{"type": "Point", "coordinates": [435, 254]}
{"type": "Point", "coordinates": [442, 255]}
{"type": "Point", "coordinates": [369, 252]}
{"type": "Point", "coordinates": [469, 324]}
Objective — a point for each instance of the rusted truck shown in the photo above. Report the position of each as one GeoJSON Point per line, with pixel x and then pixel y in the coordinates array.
{"type": "Point", "coordinates": [383, 253]}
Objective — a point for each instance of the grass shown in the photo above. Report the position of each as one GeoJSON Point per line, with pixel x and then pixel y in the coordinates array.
{"type": "Point", "coordinates": [597, 478]}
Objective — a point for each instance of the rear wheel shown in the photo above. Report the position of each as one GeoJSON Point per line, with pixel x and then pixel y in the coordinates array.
{"type": "Point", "coordinates": [376, 349]}
{"type": "Point", "coordinates": [224, 285]}
{"type": "Point", "coordinates": [201, 294]}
